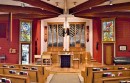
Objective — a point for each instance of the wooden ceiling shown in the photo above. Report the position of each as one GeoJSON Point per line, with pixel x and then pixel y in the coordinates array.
{"type": "Point", "coordinates": [40, 9]}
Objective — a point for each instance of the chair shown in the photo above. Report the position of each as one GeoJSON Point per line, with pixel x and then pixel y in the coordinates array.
{"type": "Point", "coordinates": [46, 59]}
{"type": "Point", "coordinates": [37, 59]}
{"type": "Point", "coordinates": [76, 59]}
{"type": "Point", "coordinates": [88, 57]}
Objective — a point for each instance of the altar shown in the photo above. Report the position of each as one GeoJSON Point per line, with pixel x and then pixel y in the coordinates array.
{"type": "Point", "coordinates": [65, 60]}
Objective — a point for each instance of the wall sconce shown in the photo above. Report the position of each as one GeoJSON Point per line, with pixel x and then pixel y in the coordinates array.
{"type": "Point", "coordinates": [45, 33]}
{"type": "Point", "coordinates": [87, 33]}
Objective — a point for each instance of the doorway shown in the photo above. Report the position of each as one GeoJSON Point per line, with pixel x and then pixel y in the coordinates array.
{"type": "Point", "coordinates": [25, 53]}
{"type": "Point", "coordinates": [108, 53]}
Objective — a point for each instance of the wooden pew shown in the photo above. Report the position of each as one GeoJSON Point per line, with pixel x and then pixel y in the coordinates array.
{"type": "Point", "coordinates": [98, 75]}
{"type": "Point", "coordinates": [91, 76]}
{"type": "Point", "coordinates": [38, 75]}
{"type": "Point", "coordinates": [115, 80]}
{"type": "Point", "coordinates": [9, 65]}
{"type": "Point", "coordinates": [88, 73]}
{"type": "Point", "coordinates": [7, 70]}
{"type": "Point", "coordinates": [16, 78]}
{"type": "Point", "coordinates": [1, 70]}
{"type": "Point", "coordinates": [116, 67]}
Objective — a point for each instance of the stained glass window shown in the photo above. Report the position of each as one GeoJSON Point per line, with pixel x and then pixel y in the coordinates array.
{"type": "Point", "coordinates": [25, 31]}
{"type": "Point", "coordinates": [108, 30]}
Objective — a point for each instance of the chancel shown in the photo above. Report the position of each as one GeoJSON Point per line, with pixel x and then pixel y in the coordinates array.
{"type": "Point", "coordinates": [64, 41]}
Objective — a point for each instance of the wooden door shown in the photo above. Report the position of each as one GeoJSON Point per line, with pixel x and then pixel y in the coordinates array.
{"type": "Point", "coordinates": [108, 49]}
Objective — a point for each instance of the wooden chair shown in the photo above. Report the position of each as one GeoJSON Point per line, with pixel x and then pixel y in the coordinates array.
{"type": "Point", "coordinates": [76, 59]}
{"type": "Point", "coordinates": [37, 59]}
{"type": "Point", "coordinates": [88, 57]}
{"type": "Point", "coordinates": [46, 59]}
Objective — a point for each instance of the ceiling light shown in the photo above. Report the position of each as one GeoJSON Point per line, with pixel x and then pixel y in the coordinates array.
{"type": "Point", "coordinates": [22, 4]}
{"type": "Point", "coordinates": [57, 4]}
{"type": "Point", "coordinates": [75, 3]}
{"type": "Point", "coordinates": [110, 2]}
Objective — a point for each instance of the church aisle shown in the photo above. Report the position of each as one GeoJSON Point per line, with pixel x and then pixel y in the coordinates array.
{"type": "Point", "coordinates": [65, 78]}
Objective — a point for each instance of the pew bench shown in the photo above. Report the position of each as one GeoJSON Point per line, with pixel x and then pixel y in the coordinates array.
{"type": "Point", "coordinates": [88, 73]}
{"type": "Point", "coordinates": [37, 73]}
{"type": "Point", "coordinates": [16, 79]}
{"type": "Point", "coordinates": [9, 65]}
{"type": "Point", "coordinates": [116, 80]}
{"type": "Point", "coordinates": [92, 74]}
{"type": "Point", "coordinates": [99, 75]}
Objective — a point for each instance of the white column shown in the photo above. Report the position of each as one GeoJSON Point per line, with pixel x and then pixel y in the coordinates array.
{"type": "Point", "coordinates": [67, 42]}
{"type": "Point", "coordinates": [66, 38]}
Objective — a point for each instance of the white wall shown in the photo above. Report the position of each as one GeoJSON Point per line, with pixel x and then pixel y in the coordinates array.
{"type": "Point", "coordinates": [89, 45]}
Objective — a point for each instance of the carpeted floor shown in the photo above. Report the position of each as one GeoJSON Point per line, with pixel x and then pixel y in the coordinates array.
{"type": "Point", "coordinates": [65, 78]}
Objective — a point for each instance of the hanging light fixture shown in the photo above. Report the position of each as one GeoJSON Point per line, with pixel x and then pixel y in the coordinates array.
{"type": "Point", "coordinates": [110, 2]}
{"type": "Point", "coordinates": [75, 3]}
{"type": "Point", "coordinates": [57, 4]}
{"type": "Point", "coordinates": [22, 4]}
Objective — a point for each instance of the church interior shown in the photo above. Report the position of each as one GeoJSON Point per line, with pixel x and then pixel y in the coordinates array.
{"type": "Point", "coordinates": [64, 41]}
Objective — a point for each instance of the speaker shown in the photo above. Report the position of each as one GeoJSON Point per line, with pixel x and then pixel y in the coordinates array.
{"type": "Point", "coordinates": [36, 47]}
{"type": "Point", "coordinates": [97, 45]}
{"type": "Point", "coordinates": [87, 33]}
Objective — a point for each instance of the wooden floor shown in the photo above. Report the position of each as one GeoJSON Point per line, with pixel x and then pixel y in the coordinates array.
{"type": "Point", "coordinates": [55, 67]}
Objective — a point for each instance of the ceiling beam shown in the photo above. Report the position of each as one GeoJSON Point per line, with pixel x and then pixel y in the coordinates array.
{"type": "Point", "coordinates": [43, 5]}
{"type": "Point", "coordinates": [32, 16]}
{"type": "Point", "coordinates": [27, 16]}
{"type": "Point", "coordinates": [86, 5]}
{"type": "Point", "coordinates": [25, 10]}
{"type": "Point", "coordinates": [107, 14]}
{"type": "Point", "coordinates": [107, 8]}
{"type": "Point", "coordinates": [87, 17]}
